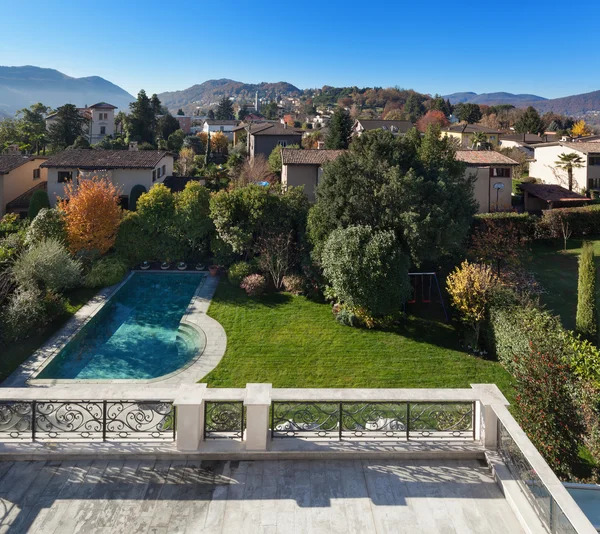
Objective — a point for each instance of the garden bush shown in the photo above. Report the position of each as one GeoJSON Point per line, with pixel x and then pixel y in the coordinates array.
{"type": "Point", "coordinates": [48, 224]}
{"type": "Point", "coordinates": [22, 313]}
{"type": "Point", "coordinates": [47, 264]}
{"type": "Point", "coordinates": [10, 247]}
{"type": "Point", "coordinates": [39, 200]}
{"type": "Point", "coordinates": [366, 270]}
{"type": "Point", "coordinates": [254, 285]}
{"type": "Point", "coordinates": [294, 283]}
{"type": "Point", "coordinates": [54, 305]}
{"type": "Point", "coordinates": [106, 271]}
{"type": "Point", "coordinates": [586, 293]}
{"type": "Point", "coordinates": [11, 223]}
{"type": "Point", "coordinates": [582, 221]}
{"type": "Point", "coordinates": [347, 318]}
{"type": "Point", "coordinates": [238, 271]}
{"type": "Point", "coordinates": [133, 243]}
{"type": "Point", "coordinates": [500, 221]}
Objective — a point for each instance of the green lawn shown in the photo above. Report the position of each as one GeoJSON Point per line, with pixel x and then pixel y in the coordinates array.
{"type": "Point", "coordinates": [14, 354]}
{"type": "Point", "coordinates": [556, 270]}
{"type": "Point", "coordinates": [291, 341]}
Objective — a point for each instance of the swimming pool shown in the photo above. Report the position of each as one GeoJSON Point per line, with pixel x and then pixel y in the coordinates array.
{"type": "Point", "coordinates": [587, 496]}
{"type": "Point", "coordinates": [137, 334]}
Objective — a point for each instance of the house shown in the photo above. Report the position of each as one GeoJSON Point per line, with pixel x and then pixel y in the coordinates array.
{"type": "Point", "coordinates": [125, 168]}
{"type": "Point", "coordinates": [18, 175]}
{"type": "Point", "coordinates": [463, 133]}
{"type": "Point", "coordinates": [100, 120]}
{"type": "Point", "coordinates": [396, 127]}
{"type": "Point", "coordinates": [226, 127]}
{"type": "Point", "coordinates": [493, 178]}
{"type": "Point", "coordinates": [263, 138]}
{"type": "Point", "coordinates": [586, 177]}
{"type": "Point", "coordinates": [305, 167]}
{"type": "Point", "coordinates": [526, 143]}
{"type": "Point", "coordinates": [539, 197]}
{"type": "Point", "coordinates": [185, 123]}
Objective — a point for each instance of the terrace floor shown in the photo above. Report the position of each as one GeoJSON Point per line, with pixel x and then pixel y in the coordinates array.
{"type": "Point", "coordinates": [285, 496]}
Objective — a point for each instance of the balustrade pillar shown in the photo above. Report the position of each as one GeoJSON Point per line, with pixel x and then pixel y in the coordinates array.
{"type": "Point", "coordinates": [190, 416]}
{"type": "Point", "coordinates": [258, 404]}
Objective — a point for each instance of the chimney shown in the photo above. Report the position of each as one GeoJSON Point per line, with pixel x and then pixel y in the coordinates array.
{"type": "Point", "coordinates": [13, 150]}
{"type": "Point", "coordinates": [133, 146]}
{"type": "Point", "coordinates": [284, 125]}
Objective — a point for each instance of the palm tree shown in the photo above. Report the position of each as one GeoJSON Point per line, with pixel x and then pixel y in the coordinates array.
{"type": "Point", "coordinates": [479, 139]}
{"type": "Point", "coordinates": [568, 162]}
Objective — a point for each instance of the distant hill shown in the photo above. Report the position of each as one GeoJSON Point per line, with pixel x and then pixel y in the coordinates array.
{"type": "Point", "coordinates": [575, 105]}
{"type": "Point", "coordinates": [23, 86]}
{"type": "Point", "coordinates": [491, 99]}
{"type": "Point", "coordinates": [211, 91]}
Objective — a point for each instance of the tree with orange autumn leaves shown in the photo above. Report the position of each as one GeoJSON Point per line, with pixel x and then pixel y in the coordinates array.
{"type": "Point", "coordinates": [92, 214]}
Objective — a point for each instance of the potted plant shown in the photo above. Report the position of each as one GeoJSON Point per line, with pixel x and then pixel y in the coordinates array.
{"type": "Point", "coordinates": [165, 265]}
{"type": "Point", "coordinates": [182, 266]}
{"type": "Point", "coordinates": [145, 265]}
{"type": "Point", "coordinates": [213, 269]}
{"type": "Point", "coordinates": [200, 267]}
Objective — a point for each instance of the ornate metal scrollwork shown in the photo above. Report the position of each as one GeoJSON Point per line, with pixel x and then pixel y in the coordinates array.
{"type": "Point", "coordinates": [441, 420]}
{"type": "Point", "coordinates": [224, 420]}
{"type": "Point", "coordinates": [306, 419]}
{"type": "Point", "coordinates": [68, 419]}
{"type": "Point", "coordinates": [374, 419]}
{"type": "Point", "coordinates": [140, 420]}
{"type": "Point", "coordinates": [15, 420]}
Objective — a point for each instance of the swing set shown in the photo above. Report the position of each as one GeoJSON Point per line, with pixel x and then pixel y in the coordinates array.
{"type": "Point", "coordinates": [427, 283]}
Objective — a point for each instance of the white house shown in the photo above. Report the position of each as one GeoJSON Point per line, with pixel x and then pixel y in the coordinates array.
{"type": "Point", "coordinates": [125, 168]}
{"type": "Point", "coordinates": [225, 127]}
{"type": "Point", "coordinates": [586, 177]}
{"type": "Point", "coordinates": [526, 143]}
{"type": "Point", "coordinates": [100, 121]}
{"type": "Point", "coordinates": [18, 175]}
{"type": "Point", "coordinates": [396, 127]}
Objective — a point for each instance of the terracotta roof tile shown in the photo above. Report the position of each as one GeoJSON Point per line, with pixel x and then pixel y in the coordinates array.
{"type": "Point", "coordinates": [553, 193]}
{"type": "Point", "coordinates": [8, 162]}
{"type": "Point", "coordinates": [92, 159]}
{"type": "Point", "coordinates": [483, 157]}
{"type": "Point", "coordinates": [290, 156]}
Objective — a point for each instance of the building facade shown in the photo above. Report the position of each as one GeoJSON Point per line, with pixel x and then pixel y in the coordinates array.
{"type": "Point", "coordinates": [18, 175]}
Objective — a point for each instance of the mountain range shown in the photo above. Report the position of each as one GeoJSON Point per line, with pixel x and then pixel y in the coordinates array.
{"type": "Point", "coordinates": [21, 87]}
{"type": "Point", "coordinates": [491, 99]}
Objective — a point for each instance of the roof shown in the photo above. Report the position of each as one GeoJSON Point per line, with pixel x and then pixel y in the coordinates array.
{"type": "Point", "coordinates": [216, 122]}
{"type": "Point", "coordinates": [527, 139]}
{"type": "Point", "coordinates": [582, 146]}
{"type": "Point", "coordinates": [553, 193]}
{"type": "Point", "coordinates": [290, 156]}
{"type": "Point", "coordinates": [92, 159]}
{"type": "Point", "coordinates": [483, 158]}
{"type": "Point", "coordinates": [402, 126]}
{"type": "Point", "coordinates": [177, 183]}
{"type": "Point", "coordinates": [103, 105]}
{"type": "Point", "coordinates": [470, 128]}
{"type": "Point", "coordinates": [8, 162]}
{"type": "Point", "coordinates": [275, 129]}
{"type": "Point", "coordinates": [22, 201]}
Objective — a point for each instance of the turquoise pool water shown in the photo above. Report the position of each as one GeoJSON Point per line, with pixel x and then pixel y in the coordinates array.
{"type": "Point", "coordinates": [137, 334]}
{"type": "Point", "coordinates": [588, 499]}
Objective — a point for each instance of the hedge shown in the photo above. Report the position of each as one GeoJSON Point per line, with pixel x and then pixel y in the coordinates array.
{"type": "Point", "coordinates": [582, 222]}
{"type": "Point", "coordinates": [501, 220]}
{"type": "Point", "coordinates": [586, 293]}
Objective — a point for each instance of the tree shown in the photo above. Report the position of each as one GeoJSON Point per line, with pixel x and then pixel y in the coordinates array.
{"type": "Point", "coordinates": [311, 140]}
{"type": "Point", "coordinates": [568, 162]}
{"type": "Point", "coordinates": [366, 270]}
{"type": "Point", "coordinates": [192, 217]}
{"type": "Point", "coordinates": [66, 127]}
{"type": "Point", "coordinates": [195, 143]}
{"type": "Point", "coordinates": [270, 110]}
{"type": "Point", "coordinates": [470, 287]}
{"type": "Point", "coordinates": [167, 125]}
{"type": "Point", "coordinates": [211, 114]}
{"type": "Point", "coordinates": [414, 108]}
{"type": "Point", "coordinates": [32, 126]}
{"type": "Point", "coordinates": [408, 184]}
{"type": "Point", "coordinates": [277, 255]}
{"type": "Point", "coordinates": [340, 130]}
{"type": "Point", "coordinates": [175, 140]}
{"type": "Point", "coordinates": [180, 112]}
{"type": "Point", "coordinates": [395, 115]}
{"type": "Point", "coordinates": [92, 214]}
{"type": "Point", "coordinates": [469, 113]}
{"type": "Point", "coordinates": [479, 140]}
{"type": "Point", "coordinates": [48, 224]}
{"type": "Point", "coordinates": [224, 110]}
{"type": "Point", "coordinates": [435, 117]}
{"type": "Point", "coordinates": [185, 162]}
{"type": "Point", "coordinates": [207, 148]}
{"type": "Point", "coordinates": [141, 119]}
{"type": "Point", "coordinates": [243, 112]}
{"type": "Point", "coordinates": [530, 122]}
{"type": "Point", "coordinates": [39, 200]}
{"type": "Point", "coordinates": [275, 159]}
{"type": "Point", "coordinates": [437, 103]}
{"type": "Point", "coordinates": [586, 320]}
{"type": "Point", "coordinates": [254, 171]}
{"type": "Point", "coordinates": [581, 129]}
{"type": "Point", "coordinates": [219, 143]}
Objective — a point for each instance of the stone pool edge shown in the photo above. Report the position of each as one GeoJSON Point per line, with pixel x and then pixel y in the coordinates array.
{"type": "Point", "coordinates": [192, 372]}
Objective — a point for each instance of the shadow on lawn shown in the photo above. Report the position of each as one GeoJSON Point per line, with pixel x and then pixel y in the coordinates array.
{"type": "Point", "coordinates": [229, 295]}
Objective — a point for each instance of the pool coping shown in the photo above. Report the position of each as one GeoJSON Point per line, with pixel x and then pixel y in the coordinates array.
{"type": "Point", "coordinates": [195, 316]}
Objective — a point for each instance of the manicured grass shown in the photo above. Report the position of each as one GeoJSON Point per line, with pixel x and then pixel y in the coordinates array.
{"type": "Point", "coordinates": [557, 272]}
{"type": "Point", "coordinates": [291, 341]}
{"type": "Point", "coordinates": [14, 354]}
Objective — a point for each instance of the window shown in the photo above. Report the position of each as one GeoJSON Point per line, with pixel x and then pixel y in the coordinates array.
{"type": "Point", "coordinates": [164, 170]}
{"type": "Point", "coordinates": [594, 160]}
{"type": "Point", "coordinates": [64, 176]}
{"type": "Point", "coordinates": [102, 130]}
{"type": "Point", "coordinates": [499, 172]}
{"type": "Point", "coordinates": [36, 174]}
{"type": "Point", "coordinates": [103, 116]}
{"type": "Point", "coordinates": [282, 143]}
{"type": "Point", "coordinates": [594, 183]}
{"type": "Point", "coordinates": [154, 175]}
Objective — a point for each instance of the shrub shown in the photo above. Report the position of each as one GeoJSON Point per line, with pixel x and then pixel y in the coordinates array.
{"type": "Point", "coordinates": [366, 269]}
{"type": "Point", "coordinates": [10, 247]}
{"type": "Point", "coordinates": [47, 264]}
{"type": "Point", "coordinates": [586, 293]}
{"type": "Point", "coordinates": [524, 222]}
{"type": "Point", "coordinates": [238, 271]}
{"type": "Point", "coordinates": [39, 200]}
{"type": "Point", "coordinates": [48, 224]}
{"type": "Point", "coordinates": [54, 305]}
{"type": "Point", "coordinates": [581, 221]}
{"type": "Point", "coordinates": [584, 358]}
{"type": "Point", "coordinates": [471, 287]}
{"type": "Point", "coordinates": [254, 285]}
{"type": "Point", "coordinates": [546, 409]}
{"type": "Point", "coordinates": [347, 318]}
{"type": "Point", "coordinates": [106, 272]}
{"type": "Point", "coordinates": [11, 223]}
{"type": "Point", "coordinates": [23, 312]}
{"type": "Point", "coordinates": [294, 283]}
{"type": "Point", "coordinates": [222, 252]}
{"type": "Point", "coordinates": [133, 243]}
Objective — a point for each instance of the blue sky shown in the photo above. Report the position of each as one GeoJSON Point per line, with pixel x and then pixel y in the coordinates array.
{"type": "Point", "coordinates": [540, 47]}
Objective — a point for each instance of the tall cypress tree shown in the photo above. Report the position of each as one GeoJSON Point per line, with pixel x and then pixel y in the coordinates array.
{"type": "Point", "coordinates": [207, 157]}
{"type": "Point", "coordinates": [586, 321]}
{"type": "Point", "coordinates": [340, 129]}
{"type": "Point", "coordinates": [141, 120]}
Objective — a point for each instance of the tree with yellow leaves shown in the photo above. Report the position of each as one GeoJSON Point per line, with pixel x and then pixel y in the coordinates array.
{"type": "Point", "coordinates": [470, 287]}
{"type": "Point", "coordinates": [219, 142]}
{"type": "Point", "coordinates": [581, 129]}
{"type": "Point", "coordinates": [92, 214]}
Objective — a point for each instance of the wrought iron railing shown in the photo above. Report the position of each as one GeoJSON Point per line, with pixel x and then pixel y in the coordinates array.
{"type": "Point", "coordinates": [224, 420]}
{"type": "Point", "coordinates": [56, 420]}
{"type": "Point", "coordinates": [532, 485]}
{"type": "Point", "coordinates": [373, 420]}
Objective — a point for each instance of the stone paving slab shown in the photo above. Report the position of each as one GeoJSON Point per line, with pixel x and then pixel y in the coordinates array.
{"type": "Point", "coordinates": [288, 496]}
